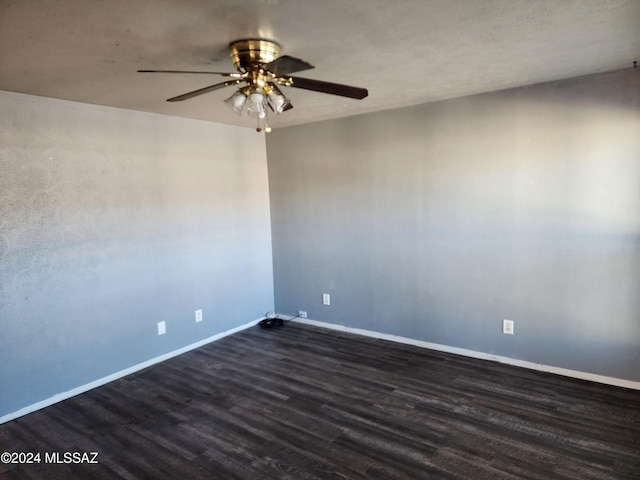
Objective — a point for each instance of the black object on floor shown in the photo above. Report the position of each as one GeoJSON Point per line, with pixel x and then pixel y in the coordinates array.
{"type": "Point", "coordinates": [271, 322]}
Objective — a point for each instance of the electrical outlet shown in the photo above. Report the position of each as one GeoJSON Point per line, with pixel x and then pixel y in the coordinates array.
{"type": "Point", "coordinates": [162, 328]}
{"type": "Point", "coordinates": [507, 327]}
{"type": "Point", "coordinates": [302, 314]}
{"type": "Point", "coordinates": [199, 315]}
{"type": "Point", "coordinates": [326, 299]}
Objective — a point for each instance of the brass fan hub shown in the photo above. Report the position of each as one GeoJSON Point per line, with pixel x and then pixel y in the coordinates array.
{"type": "Point", "coordinates": [250, 53]}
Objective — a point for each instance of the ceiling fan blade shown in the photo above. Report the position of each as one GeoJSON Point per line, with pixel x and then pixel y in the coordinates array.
{"type": "Point", "coordinates": [285, 65]}
{"type": "Point", "coordinates": [189, 71]}
{"type": "Point", "coordinates": [200, 91]}
{"type": "Point", "coordinates": [328, 87]}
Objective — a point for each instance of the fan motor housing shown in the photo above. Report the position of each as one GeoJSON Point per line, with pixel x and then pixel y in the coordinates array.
{"type": "Point", "coordinates": [249, 53]}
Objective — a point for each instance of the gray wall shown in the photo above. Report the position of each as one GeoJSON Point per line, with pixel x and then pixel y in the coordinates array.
{"type": "Point", "coordinates": [436, 222]}
{"type": "Point", "coordinates": [113, 220]}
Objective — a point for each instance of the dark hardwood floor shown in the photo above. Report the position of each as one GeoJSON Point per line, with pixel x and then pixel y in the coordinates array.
{"type": "Point", "coordinates": [299, 402]}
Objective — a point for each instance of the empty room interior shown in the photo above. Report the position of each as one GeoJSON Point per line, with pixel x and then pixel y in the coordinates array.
{"type": "Point", "coordinates": [410, 248]}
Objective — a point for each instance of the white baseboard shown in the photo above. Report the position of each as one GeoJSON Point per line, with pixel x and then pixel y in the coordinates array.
{"type": "Point", "coordinates": [618, 382]}
{"type": "Point", "coordinates": [359, 331]}
{"type": "Point", "coordinates": [122, 373]}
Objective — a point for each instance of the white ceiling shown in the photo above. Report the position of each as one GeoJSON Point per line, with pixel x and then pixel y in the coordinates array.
{"type": "Point", "coordinates": [405, 52]}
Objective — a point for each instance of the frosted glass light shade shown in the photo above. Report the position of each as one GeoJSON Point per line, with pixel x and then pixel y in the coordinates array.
{"type": "Point", "coordinates": [256, 106]}
{"type": "Point", "coordinates": [278, 102]}
{"type": "Point", "coordinates": [236, 101]}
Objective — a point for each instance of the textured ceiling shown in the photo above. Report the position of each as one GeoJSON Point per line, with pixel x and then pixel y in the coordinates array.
{"type": "Point", "coordinates": [405, 52]}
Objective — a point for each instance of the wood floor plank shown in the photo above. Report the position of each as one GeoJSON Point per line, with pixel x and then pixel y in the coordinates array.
{"type": "Point", "coordinates": [301, 402]}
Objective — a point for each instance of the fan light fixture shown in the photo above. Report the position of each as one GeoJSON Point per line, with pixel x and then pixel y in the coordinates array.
{"type": "Point", "coordinates": [263, 70]}
{"type": "Point", "coordinates": [257, 100]}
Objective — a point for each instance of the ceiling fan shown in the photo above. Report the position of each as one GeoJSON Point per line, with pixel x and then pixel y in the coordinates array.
{"type": "Point", "coordinates": [263, 70]}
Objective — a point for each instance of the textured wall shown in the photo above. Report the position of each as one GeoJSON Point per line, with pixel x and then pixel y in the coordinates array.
{"type": "Point", "coordinates": [436, 222]}
{"type": "Point", "coordinates": [113, 220]}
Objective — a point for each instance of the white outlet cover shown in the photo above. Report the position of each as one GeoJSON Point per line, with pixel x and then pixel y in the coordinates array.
{"type": "Point", "coordinates": [326, 299]}
{"type": "Point", "coordinates": [162, 328]}
{"type": "Point", "coordinates": [302, 314]}
{"type": "Point", "coordinates": [507, 327]}
{"type": "Point", "coordinates": [199, 315]}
